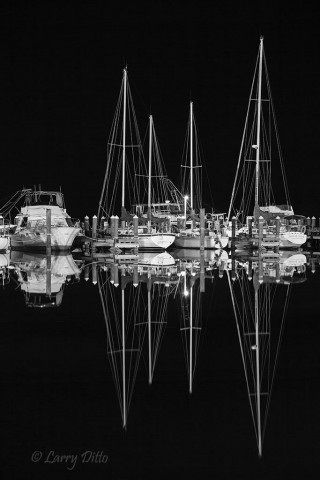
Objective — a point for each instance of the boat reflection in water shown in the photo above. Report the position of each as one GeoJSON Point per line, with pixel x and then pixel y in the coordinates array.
{"type": "Point", "coordinates": [43, 278]}
{"type": "Point", "coordinates": [134, 299]}
{"type": "Point", "coordinates": [4, 270]}
{"type": "Point", "coordinates": [260, 290]}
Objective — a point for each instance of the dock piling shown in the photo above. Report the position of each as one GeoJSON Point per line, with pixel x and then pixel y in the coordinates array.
{"type": "Point", "coordinates": [202, 227]}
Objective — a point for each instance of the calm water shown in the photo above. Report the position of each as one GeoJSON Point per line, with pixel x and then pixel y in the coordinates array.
{"type": "Point", "coordinates": [141, 371]}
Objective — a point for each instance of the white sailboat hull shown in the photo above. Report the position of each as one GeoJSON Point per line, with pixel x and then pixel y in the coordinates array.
{"type": "Point", "coordinates": [61, 238]}
{"type": "Point", "coordinates": [157, 240]}
{"type": "Point", "coordinates": [292, 239]}
{"type": "Point", "coordinates": [214, 242]}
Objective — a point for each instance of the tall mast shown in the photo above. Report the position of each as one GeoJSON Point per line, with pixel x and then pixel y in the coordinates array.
{"type": "Point", "coordinates": [257, 146]}
{"type": "Point", "coordinates": [191, 155]}
{"type": "Point", "coordinates": [124, 134]}
{"type": "Point", "coordinates": [150, 163]}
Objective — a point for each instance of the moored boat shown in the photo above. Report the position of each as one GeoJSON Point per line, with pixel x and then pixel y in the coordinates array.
{"type": "Point", "coordinates": [32, 230]}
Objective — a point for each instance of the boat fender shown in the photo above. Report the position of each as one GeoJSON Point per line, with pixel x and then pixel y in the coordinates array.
{"type": "Point", "coordinates": [303, 229]}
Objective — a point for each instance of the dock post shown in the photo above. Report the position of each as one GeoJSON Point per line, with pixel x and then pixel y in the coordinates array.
{"type": "Point", "coordinates": [112, 226]}
{"type": "Point", "coordinates": [135, 228]}
{"type": "Point", "coordinates": [86, 225]}
{"type": "Point", "coordinates": [202, 227]}
{"type": "Point", "coordinates": [278, 226]}
{"type": "Point", "coordinates": [116, 228]}
{"type": "Point", "coordinates": [260, 230]}
{"type": "Point", "coordinates": [277, 271]}
{"type": "Point", "coordinates": [94, 273]}
{"type": "Point", "coordinates": [233, 232]}
{"type": "Point", "coordinates": [48, 275]}
{"type": "Point", "coordinates": [48, 233]}
{"type": "Point", "coordinates": [102, 223]}
{"type": "Point", "coordinates": [260, 268]}
{"type": "Point", "coordinates": [1, 224]}
{"type": "Point", "coordinates": [233, 268]}
{"type": "Point", "coordinates": [308, 221]}
{"type": "Point", "coordinates": [86, 273]}
{"type": "Point", "coordinates": [94, 227]}
{"type": "Point", "coordinates": [313, 222]}
{"type": "Point", "coordinates": [202, 271]}
{"type": "Point", "coordinates": [250, 270]}
{"type": "Point", "coordinates": [249, 222]}
{"type": "Point", "coordinates": [135, 275]}
{"type": "Point", "coordinates": [116, 274]}
{"type": "Point", "coordinates": [313, 265]}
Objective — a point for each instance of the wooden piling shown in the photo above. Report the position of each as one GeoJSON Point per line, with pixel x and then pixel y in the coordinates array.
{"type": "Point", "coordinates": [313, 222]}
{"type": "Point", "coordinates": [249, 223]}
{"type": "Point", "coordinates": [116, 227]}
{"type": "Point", "coordinates": [260, 231]}
{"type": "Point", "coordinates": [94, 227]}
{"type": "Point", "coordinates": [86, 225]}
{"type": "Point", "coordinates": [112, 226]}
{"type": "Point", "coordinates": [260, 267]}
{"type": "Point", "coordinates": [48, 232]}
{"type": "Point", "coordinates": [202, 227]}
{"type": "Point", "coordinates": [233, 267]}
{"type": "Point", "coordinates": [233, 232]}
{"type": "Point", "coordinates": [102, 223]}
{"type": "Point", "coordinates": [86, 273]}
{"type": "Point", "coordinates": [48, 274]}
{"type": "Point", "coordinates": [250, 270]}
{"type": "Point", "coordinates": [202, 272]}
{"type": "Point", "coordinates": [135, 275]}
{"type": "Point", "coordinates": [94, 273]}
{"type": "Point", "coordinates": [278, 226]}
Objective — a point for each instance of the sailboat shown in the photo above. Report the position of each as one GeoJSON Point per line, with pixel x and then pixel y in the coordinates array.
{"type": "Point", "coordinates": [124, 145]}
{"type": "Point", "coordinates": [256, 292]}
{"type": "Point", "coordinates": [215, 233]}
{"type": "Point", "coordinates": [253, 190]}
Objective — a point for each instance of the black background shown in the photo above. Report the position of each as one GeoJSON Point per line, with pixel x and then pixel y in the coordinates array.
{"type": "Point", "coordinates": [61, 68]}
{"type": "Point", "coordinates": [60, 74]}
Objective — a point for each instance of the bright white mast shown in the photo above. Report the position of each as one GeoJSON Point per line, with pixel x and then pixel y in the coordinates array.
{"type": "Point", "coordinates": [257, 146]}
{"type": "Point", "coordinates": [124, 134]}
{"type": "Point", "coordinates": [191, 155]}
{"type": "Point", "coordinates": [150, 166]}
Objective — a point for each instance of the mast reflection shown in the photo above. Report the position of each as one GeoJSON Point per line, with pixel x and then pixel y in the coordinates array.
{"type": "Point", "coordinates": [138, 306]}
{"type": "Point", "coordinates": [260, 307]}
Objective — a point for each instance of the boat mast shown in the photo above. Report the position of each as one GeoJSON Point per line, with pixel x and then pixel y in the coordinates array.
{"type": "Point", "coordinates": [191, 155]}
{"type": "Point", "coordinates": [149, 174]}
{"type": "Point", "coordinates": [124, 135]}
{"type": "Point", "coordinates": [257, 146]}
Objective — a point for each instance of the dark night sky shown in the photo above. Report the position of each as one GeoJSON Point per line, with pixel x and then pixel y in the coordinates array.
{"type": "Point", "coordinates": [60, 75]}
